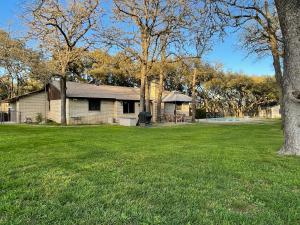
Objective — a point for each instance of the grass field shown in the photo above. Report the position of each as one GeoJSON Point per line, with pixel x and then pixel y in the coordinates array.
{"type": "Point", "coordinates": [199, 174]}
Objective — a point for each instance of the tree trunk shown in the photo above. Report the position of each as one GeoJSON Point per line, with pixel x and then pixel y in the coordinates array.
{"type": "Point", "coordinates": [18, 86]}
{"type": "Point", "coordinates": [194, 96]}
{"type": "Point", "coordinates": [278, 74]}
{"type": "Point", "coordinates": [12, 88]}
{"type": "Point", "coordinates": [142, 89]}
{"type": "Point", "coordinates": [147, 94]}
{"type": "Point", "coordinates": [63, 96]}
{"type": "Point", "coordinates": [289, 14]}
{"type": "Point", "coordinates": [161, 84]}
{"type": "Point", "coordinates": [144, 68]}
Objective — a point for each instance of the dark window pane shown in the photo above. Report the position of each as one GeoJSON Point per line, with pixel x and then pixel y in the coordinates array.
{"type": "Point", "coordinates": [125, 107]}
{"type": "Point", "coordinates": [94, 104]}
{"type": "Point", "coordinates": [131, 107]}
{"type": "Point", "coordinates": [128, 107]}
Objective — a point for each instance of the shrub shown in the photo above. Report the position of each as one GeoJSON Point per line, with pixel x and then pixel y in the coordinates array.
{"type": "Point", "coordinates": [39, 118]}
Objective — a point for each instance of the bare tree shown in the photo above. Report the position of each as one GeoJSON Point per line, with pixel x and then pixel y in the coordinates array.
{"type": "Point", "coordinates": [191, 40]}
{"type": "Point", "coordinates": [162, 75]}
{"type": "Point", "coordinates": [262, 33]}
{"type": "Point", "coordinates": [64, 30]}
{"type": "Point", "coordinates": [202, 27]}
{"type": "Point", "coordinates": [260, 21]}
{"type": "Point", "coordinates": [289, 14]}
{"type": "Point", "coordinates": [146, 22]}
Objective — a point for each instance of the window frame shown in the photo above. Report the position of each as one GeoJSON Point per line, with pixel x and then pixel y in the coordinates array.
{"type": "Point", "coordinates": [130, 108]}
{"type": "Point", "coordinates": [94, 108]}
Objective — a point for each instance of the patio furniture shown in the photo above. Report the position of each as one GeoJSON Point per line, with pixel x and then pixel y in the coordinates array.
{"type": "Point", "coordinates": [28, 120]}
{"type": "Point", "coordinates": [180, 118]}
{"type": "Point", "coordinates": [169, 118]}
{"type": "Point", "coordinates": [76, 119]}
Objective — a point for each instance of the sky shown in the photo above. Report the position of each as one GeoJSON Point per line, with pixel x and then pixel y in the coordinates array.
{"type": "Point", "coordinates": [232, 57]}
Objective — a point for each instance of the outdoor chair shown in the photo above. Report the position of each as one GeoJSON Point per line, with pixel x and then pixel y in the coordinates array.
{"type": "Point", "coordinates": [180, 118]}
{"type": "Point", "coordinates": [28, 120]}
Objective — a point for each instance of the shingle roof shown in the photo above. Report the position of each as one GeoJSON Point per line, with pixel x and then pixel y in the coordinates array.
{"type": "Point", "coordinates": [176, 96]}
{"type": "Point", "coordinates": [83, 90]}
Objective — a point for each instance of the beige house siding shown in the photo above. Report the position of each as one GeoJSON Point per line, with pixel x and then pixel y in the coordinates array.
{"type": "Point", "coordinates": [119, 111]}
{"type": "Point", "coordinates": [55, 109]}
{"type": "Point", "coordinates": [270, 112]}
{"type": "Point", "coordinates": [162, 111]}
{"type": "Point", "coordinates": [276, 112]}
{"type": "Point", "coordinates": [79, 112]}
{"type": "Point", "coordinates": [30, 106]}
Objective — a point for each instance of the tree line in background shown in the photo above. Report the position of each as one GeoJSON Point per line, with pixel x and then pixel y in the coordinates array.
{"type": "Point", "coordinates": [217, 92]}
{"type": "Point", "coordinates": [163, 40]}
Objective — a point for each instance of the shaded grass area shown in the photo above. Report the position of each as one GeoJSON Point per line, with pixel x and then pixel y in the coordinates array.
{"type": "Point", "coordinates": [199, 174]}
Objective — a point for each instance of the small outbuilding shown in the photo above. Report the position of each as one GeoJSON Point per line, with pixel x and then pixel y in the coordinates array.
{"type": "Point", "coordinates": [271, 112]}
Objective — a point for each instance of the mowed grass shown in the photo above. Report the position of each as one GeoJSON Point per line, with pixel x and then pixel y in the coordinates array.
{"type": "Point", "coordinates": [197, 174]}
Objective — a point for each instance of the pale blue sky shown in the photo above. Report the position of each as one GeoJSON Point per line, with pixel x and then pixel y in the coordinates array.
{"type": "Point", "coordinates": [227, 53]}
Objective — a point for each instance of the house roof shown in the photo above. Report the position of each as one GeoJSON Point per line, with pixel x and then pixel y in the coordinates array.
{"type": "Point", "coordinates": [176, 96]}
{"type": "Point", "coordinates": [84, 90]}
{"type": "Point", "coordinates": [14, 99]}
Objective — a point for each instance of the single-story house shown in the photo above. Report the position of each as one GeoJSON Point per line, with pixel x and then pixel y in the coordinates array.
{"type": "Point", "coordinates": [89, 104]}
{"type": "Point", "coordinates": [271, 112]}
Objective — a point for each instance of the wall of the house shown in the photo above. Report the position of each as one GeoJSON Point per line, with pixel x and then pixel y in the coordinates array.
{"type": "Point", "coordinates": [79, 112]}
{"type": "Point", "coordinates": [118, 107]}
{"type": "Point", "coordinates": [55, 111]}
{"type": "Point", "coordinates": [29, 107]}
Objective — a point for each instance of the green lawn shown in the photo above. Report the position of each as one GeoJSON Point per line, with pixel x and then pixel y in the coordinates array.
{"type": "Point", "coordinates": [200, 174]}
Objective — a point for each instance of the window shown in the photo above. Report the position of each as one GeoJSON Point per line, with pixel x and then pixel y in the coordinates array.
{"type": "Point", "coordinates": [128, 107]}
{"type": "Point", "coordinates": [94, 104]}
{"type": "Point", "coordinates": [178, 105]}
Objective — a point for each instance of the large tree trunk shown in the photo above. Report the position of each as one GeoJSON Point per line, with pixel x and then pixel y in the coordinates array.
{"type": "Point", "coordinates": [289, 14]}
{"type": "Point", "coordinates": [161, 84]}
{"type": "Point", "coordinates": [194, 96]}
{"type": "Point", "coordinates": [63, 96]}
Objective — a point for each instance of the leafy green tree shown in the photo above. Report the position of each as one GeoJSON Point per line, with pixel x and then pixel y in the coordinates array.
{"type": "Point", "coordinates": [113, 70]}
{"type": "Point", "coordinates": [19, 64]}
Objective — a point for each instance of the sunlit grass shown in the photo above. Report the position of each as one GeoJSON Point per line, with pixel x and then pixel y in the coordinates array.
{"type": "Point", "coordinates": [200, 174]}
